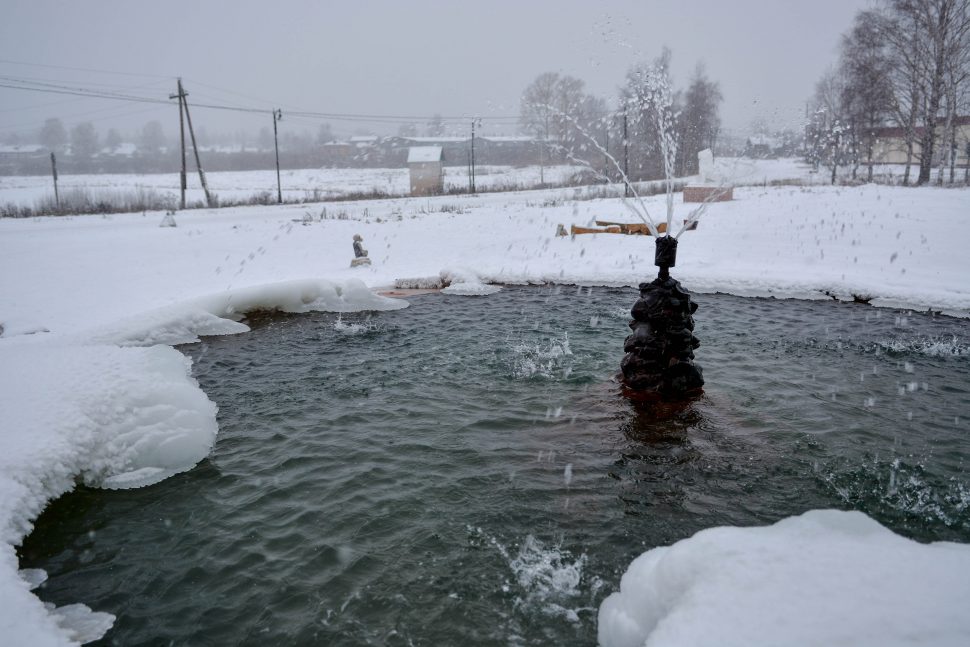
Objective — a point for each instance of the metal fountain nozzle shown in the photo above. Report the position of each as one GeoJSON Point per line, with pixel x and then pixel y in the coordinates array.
{"type": "Point", "coordinates": [666, 255]}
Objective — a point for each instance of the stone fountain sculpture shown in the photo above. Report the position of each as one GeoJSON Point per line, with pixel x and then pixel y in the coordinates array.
{"type": "Point", "coordinates": [659, 356]}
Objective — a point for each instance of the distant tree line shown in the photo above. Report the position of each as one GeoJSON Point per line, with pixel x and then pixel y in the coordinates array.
{"type": "Point", "coordinates": [82, 149]}
{"type": "Point", "coordinates": [574, 125]}
{"type": "Point", "coordinates": [903, 73]}
{"type": "Point", "coordinates": [567, 124]}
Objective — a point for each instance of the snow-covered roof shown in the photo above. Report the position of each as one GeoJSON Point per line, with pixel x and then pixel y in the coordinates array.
{"type": "Point", "coordinates": [364, 139]}
{"type": "Point", "coordinates": [509, 138]}
{"type": "Point", "coordinates": [436, 140]}
{"type": "Point", "coordinates": [22, 148]}
{"type": "Point", "coordinates": [424, 154]}
{"type": "Point", "coordinates": [125, 148]}
{"type": "Point", "coordinates": [763, 140]}
{"type": "Point", "coordinates": [228, 150]}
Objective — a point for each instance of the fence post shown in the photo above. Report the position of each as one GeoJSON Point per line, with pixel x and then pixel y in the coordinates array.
{"type": "Point", "coordinates": [57, 197]}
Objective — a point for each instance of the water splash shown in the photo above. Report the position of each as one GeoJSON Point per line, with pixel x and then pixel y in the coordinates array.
{"type": "Point", "coordinates": [896, 486]}
{"type": "Point", "coordinates": [355, 328]}
{"type": "Point", "coordinates": [943, 347]}
{"type": "Point", "coordinates": [546, 578]}
{"type": "Point", "coordinates": [550, 358]}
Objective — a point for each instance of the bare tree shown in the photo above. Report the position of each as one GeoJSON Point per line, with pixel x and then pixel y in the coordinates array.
{"type": "Point", "coordinates": [112, 140]}
{"type": "Point", "coordinates": [699, 121]}
{"type": "Point", "coordinates": [640, 111]}
{"type": "Point", "coordinates": [903, 36]}
{"type": "Point", "coordinates": [264, 140]}
{"type": "Point", "coordinates": [865, 66]}
{"type": "Point", "coordinates": [152, 138]}
{"type": "Point", "coordinates": [941, 26]}
{"type": "Point", "coordinates": [831, 134]}
{"type": "Point", "coordinates": [324, 134]}
{"type": "Point", "coordinates": [84, 141]}
{"type": "Point", "coordinates": [536, 114]}
{"type": "Point", "coordinates": [956, 86]}
{"type": "Point", "coordinates": [53, 135]}
{"type": "Point", "coordinates": [436, 126]}
{"type": "Point", "coordinates": [554, 106]}
{"type": "Point", "coordinates": [407, 130]}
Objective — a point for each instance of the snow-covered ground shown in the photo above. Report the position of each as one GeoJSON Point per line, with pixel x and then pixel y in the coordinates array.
{"type": "Point", "coordinates": [90, 391]}
{"type": "Point", "coordinates": [321, 184]}
{"type": "Point", "coordinates": [297, 185]}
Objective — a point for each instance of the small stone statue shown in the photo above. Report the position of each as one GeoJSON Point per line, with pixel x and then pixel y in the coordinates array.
{"type": "Point", "coordinates": [360, 254]}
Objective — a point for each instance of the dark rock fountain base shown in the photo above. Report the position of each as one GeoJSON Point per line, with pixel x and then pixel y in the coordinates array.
{"type": "Point", "coordinates": [659, 360]}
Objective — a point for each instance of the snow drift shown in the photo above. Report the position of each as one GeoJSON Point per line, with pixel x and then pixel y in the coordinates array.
{"type": "Point", "coordinates": [220, 314]}
{"type": "Point", "coordinates": [824, 578]}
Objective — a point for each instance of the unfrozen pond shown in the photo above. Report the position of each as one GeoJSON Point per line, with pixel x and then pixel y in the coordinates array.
{"type": "Point", "coordinates": [464, 472]}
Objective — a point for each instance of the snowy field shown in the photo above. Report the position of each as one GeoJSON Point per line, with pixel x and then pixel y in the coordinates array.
{"type": "Point", "coordinates": [320, 184]}
{"type": "Point", "coordinates": [90, 389]}
{"type": "Point", "coordinates": [297, 185]}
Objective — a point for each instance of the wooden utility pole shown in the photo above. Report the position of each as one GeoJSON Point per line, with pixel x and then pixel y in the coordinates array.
{"type": "Point", "coordinates": [181, 97]}
{"type": "Point", "coordinates": [57, 196]}
{"type": "Point", "coordinates": [195, 147]}
{"type": "Point", "coordinates": [277, 116]}
{"type": "Point", "coordinates": [472, 175]}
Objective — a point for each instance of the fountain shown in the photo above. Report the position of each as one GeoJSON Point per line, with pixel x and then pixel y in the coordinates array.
{"type": "Point", "coordinates": [660, 351]}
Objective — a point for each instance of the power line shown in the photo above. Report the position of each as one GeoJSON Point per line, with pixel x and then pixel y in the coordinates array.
{"type": "Point", "coordinates": [55, 88]}
{"type": "Point", "coordinates": [89, 85]}
{"type": "Point", "coordinates": [85, 69]}
{"type": "Point", "coordinates": [81, 92]}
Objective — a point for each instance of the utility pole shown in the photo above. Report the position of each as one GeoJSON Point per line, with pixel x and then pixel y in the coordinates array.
{"type": "Point", "coordinates": [472, 173]}
{"type": "Point", "coordinates": [195, 147]}
{"type": "Point", "coordinates": [626, 158]}
{"type": "Point", "coordinates": [542, 173]}
{"type": "Point", "coordinates": [277, 116]}
{"type": "Point", "coordinates": [57, 197]}
{"type": "Point", "coordinates": [181, 97]}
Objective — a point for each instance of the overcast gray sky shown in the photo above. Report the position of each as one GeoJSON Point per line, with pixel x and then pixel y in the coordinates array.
{"type": "Point", "coordinates": [410, 57]}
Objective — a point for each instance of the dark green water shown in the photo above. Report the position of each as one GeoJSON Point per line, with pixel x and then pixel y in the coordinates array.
{"type": "Point", "coordinates": [464, 472]}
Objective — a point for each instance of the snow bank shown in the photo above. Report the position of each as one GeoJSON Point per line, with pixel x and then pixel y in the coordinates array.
{"type": "Point", "coordinates": [824, 578]}
{"type": "Point", "coordinates": [219, 314]}
{"type": "Point", "coordinates": [109, 416]}
{"type": "Point", "coordinates": [115, 409]}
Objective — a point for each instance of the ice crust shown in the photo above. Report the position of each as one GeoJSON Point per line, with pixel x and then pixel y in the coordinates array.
{"type": "Point", "coordinates": [824, 578]}
{"type": "Point", "coordinates": [114, 408]}
{"type": "Point", "coordinates": [467, 283]}
{"type": "Point", "coordinates": [220, 314]}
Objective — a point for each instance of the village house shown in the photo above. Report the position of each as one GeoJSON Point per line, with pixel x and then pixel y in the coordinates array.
{"type": "Point", "coordinates": [889, 146]}
{"type": "Point", "coordinates": [20, 158]}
